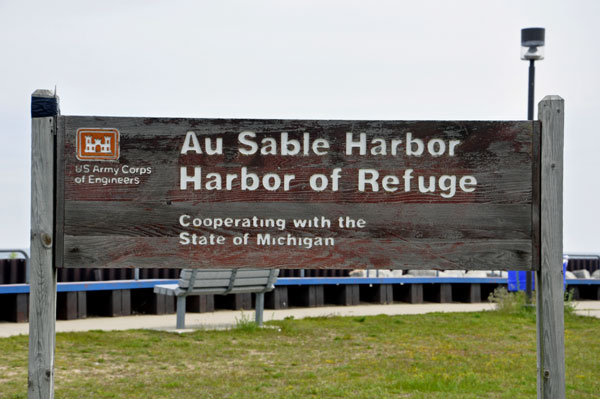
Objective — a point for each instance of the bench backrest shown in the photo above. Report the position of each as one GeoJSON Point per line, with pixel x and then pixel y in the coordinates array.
{"type": "Point", "coordinates": [225, 281]}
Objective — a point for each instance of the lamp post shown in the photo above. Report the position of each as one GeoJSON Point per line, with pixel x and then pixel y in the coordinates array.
{"type": "Point", "coordinates": [532, 49]}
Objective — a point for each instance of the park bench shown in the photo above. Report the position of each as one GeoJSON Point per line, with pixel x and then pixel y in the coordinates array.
{"type": "Point", "coordinates": [220, 282]}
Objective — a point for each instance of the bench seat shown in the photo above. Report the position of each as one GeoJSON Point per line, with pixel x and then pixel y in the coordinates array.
{"type": "Point", "coordinates": [220, 282]}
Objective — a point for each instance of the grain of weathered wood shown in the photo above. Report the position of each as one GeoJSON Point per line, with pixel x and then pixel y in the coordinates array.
{"type": "Point", "coordinates": [550, 297]}
{"type": "Point", "coordinates": [59, 200]}
{"type": "Point", "coordinates": [42, 315]}
{"type": "Point", "coordinates": [107, 216]}
{"type": "Point", "coordinates": [536, 193]}
{"type": "Point", "coordinates": [405, 221]}
{"type": "Point", "coordinates": [511, 138]}
{"type": "Point", "coordinates": [442, 254]}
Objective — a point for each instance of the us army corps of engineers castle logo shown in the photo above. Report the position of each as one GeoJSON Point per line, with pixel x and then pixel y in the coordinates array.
{"type": "Point", "coordinates": [97, 144]}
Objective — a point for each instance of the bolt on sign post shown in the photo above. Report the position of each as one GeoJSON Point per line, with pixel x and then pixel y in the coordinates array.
{"type": "Point", "coordinates": [230, 193]}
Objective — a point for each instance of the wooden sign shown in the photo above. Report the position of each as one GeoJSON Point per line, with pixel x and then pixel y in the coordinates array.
{"type": "Point", "coordinates": [140, 192]}
{"type": "Point", "coordinates": [148, 192]}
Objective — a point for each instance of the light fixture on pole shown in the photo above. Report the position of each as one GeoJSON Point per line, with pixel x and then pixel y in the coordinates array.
{"type": "Point", "coordinates": [532, 49]}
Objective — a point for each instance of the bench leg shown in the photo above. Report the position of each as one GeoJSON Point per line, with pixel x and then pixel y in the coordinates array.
{"type": "Point", "coordinates": [180, 312]}
{"type": "Point", "coordinates": [260, 306]}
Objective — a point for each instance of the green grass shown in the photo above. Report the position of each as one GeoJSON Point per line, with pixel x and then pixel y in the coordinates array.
{"type": "Point", "coordinates": [460, 355]}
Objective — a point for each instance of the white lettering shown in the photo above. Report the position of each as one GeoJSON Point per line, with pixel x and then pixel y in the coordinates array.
{"type": "Point", "coordinates": [409, 146]}
{"type": "Point", "coordinates": [184, 179]}
{"type": "Point", "coordinates": [364, 180]}
{"type": "Point", "coordinates": [191, 144]}
{"type": "Point", "coordinates": [422, 187]}
{"type": "Point", "coordinates": [271, 181]}
{"type": "Point", "coordinates": [407, 178]}
{"type": "Point", "coordinates": [436, 147]}
{"type": "Point", "coordinates": [448, 184]}
{"type": "Point", "coordinates": [466, 181]}
{"type": "Point", "coordinates": [453, 145]}
{"type": "Point", "coordinates": [253, 185]}
{"type": "Point", "coordinates": [380, 147]}
{"type": "Point", "coordinates": [361, 144]}
{"type": "Point", "coordinates": [213, 181]}
{"type": "Point", "coordinates": [320, 146]}
{"type": "Point", "coordinates": [289, 147]}
{"type": "Point", "coordinates": [318, 182]}
{"type": "Point", "coordinates": [243, 139]}
{"type": "Point", "coordinates": [389, 182]}
{"type": "Point", "coordinates": [269, 146]}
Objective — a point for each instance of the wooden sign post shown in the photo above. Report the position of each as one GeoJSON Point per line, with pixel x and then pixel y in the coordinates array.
{"type": "Point", "coordinates": [230, 193]}
{"type": "Point", "coordinates": [42, 280]}
{"type": "Point", "coordinates": [550, 289]}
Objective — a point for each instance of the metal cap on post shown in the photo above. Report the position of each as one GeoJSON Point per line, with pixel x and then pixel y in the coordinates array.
{"type": "Point", "coordinates": [44, 103]}
{"type": "Point", "coordinates": [532, 43]}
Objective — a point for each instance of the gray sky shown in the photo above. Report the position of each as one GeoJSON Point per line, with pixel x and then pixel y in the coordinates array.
{"type": "Point", "coordinates": [373, 59]}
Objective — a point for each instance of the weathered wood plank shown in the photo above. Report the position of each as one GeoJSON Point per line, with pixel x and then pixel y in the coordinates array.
{"type": "Point", "coordinates": [59, 200]}
{"type": "Point", "coordinates": [442, 254]}
{"type": "Point", "coordinates": [550, 296]}
{"type": "Point", "coordinates": [536, 194]}
{"type": "Point", "coordinates": [490, 147]}
{"type": "Point", "coordinates": [42, 308]}
{"type": "Point", "coordinates": [459, 221]}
